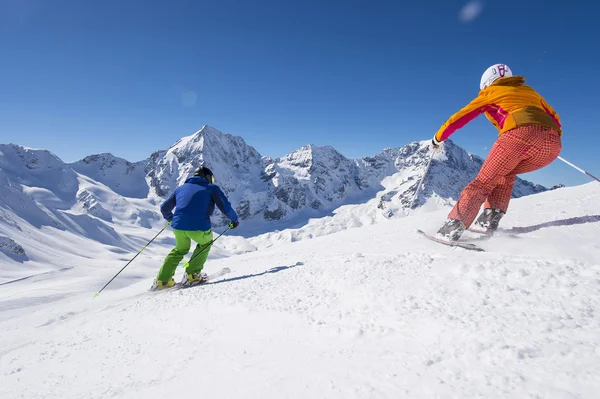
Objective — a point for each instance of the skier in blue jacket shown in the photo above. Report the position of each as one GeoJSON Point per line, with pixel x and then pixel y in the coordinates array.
{"type": "Point", "coordinates": [194, 204]}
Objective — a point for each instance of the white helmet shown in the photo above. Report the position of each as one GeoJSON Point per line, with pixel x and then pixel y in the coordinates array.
{"type": "Point", "coordinates": [494, 72]}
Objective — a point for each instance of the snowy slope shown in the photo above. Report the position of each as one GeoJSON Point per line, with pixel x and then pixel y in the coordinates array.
{"type": "Point", "coordinates": [375, 311]}
{"type": "Point", "coordinates": [52, 217]}
{"type": "Point", "coordinates": [37, 189]}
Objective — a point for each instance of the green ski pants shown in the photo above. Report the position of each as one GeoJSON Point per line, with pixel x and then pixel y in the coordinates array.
{"type": "Point", "coordinates": [183, 240]}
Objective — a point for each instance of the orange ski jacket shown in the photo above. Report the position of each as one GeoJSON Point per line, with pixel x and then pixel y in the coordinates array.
{"type": "Point", "coordinates": [508, 103]}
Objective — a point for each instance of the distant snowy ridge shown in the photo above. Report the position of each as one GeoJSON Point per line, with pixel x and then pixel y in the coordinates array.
{"type": "Point", "coordinates": [123, 177]}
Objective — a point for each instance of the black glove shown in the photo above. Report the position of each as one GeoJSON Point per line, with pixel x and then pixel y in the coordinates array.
{"type": "Point", "coordinates": [234, 225]}
{"type": "Point", "coordinates": [435, 144]}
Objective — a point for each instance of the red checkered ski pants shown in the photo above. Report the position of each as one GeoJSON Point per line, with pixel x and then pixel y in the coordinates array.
{"type": "Point", "coordinates": [520, 150]}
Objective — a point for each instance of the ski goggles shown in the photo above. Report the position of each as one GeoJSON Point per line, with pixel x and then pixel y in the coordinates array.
{"type": "Point", "coordinates": [212, 179]}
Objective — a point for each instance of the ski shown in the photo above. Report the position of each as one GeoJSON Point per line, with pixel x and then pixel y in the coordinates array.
{"type": "Point", "coordinates": [480, 231]}
{"type": "Point", "coordinates": [459, 244]}
{"type": "Point", "coordinates": [209, 278]}
{"type": "Point", "coordinates": [485, 235]}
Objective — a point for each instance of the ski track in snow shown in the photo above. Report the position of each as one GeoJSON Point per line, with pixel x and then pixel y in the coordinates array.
{"type": "Point", "coordinates": [369, 312]}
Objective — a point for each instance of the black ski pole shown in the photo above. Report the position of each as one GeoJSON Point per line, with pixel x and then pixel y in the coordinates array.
{"type": "Point", "coordinates": [186, 264]}
{"type": "Point", "coordinates": [98, 293]}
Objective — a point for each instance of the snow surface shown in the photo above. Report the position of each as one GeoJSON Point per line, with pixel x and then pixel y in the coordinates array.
{"type": "Point", "coordinates": [325, 311]}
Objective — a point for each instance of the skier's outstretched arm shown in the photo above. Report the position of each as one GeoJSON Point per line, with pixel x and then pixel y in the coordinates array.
{"type": "Point", "coordinates": [460, 119]}
{"type": "Point", "coordinates": [223, 204]}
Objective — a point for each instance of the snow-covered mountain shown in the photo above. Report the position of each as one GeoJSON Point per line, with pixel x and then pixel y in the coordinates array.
{"type": "Point", "coordinates": [312, 180]}
{"type": "Point", "coordinates": [236, 165]}
{"type": "Point", "coordinates": [452, 168]}
{"type": "Point", "coordinates": [106, 199]}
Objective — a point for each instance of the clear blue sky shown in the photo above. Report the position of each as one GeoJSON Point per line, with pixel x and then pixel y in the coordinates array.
{"type": "Point", "coordinates": [131, 77]}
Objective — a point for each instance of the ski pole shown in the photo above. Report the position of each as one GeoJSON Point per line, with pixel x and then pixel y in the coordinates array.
{"type": "Point", "coordinates": [423, 178]}
{"type": "Point", "coordinates": [186, 264]}
{"type": "Point", "coordinates": [98, 293]}
{"type": "Point", "coordinates": [579, 169]}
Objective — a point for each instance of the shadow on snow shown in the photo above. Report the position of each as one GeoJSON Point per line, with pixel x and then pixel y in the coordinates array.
{"type": "Point", "coordinates": [554, 223]}
{"type": "Point", "coordinates": [272, 270]}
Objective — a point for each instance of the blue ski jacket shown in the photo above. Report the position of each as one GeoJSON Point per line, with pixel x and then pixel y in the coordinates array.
{"type": "Point", "coordinates": [194, 203]}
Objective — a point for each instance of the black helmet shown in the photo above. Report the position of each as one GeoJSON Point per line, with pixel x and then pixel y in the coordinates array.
{"type": "Point", "coordinates": [206, 173]}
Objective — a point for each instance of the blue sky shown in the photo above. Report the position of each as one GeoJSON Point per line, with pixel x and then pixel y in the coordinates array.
{"type": "Point", "coordinates": [131, 77]}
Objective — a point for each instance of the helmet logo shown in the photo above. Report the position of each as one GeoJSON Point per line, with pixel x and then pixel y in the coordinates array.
{"type": "Point", "coordinates": [502, 70]}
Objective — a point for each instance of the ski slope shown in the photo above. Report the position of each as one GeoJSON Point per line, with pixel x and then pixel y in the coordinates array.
{"type": "Point", "coordinates": [374, 311]}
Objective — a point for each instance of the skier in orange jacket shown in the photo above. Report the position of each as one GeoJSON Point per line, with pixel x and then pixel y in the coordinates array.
{"type": "Point", "coordinates": [529, 139]}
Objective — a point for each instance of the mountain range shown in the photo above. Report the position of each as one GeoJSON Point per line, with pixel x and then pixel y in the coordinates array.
{"type": "Point", "coordinates": [98, 195]}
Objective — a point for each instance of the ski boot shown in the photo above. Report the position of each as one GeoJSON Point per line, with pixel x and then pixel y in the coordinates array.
{"type": "Point", "coordinates": [489, 219]}
{"type": "Point", "coordinates": [451, 230]}
{"type": "Point", "coordinates": [161, 285]}
{"type": "Point", "coordinates": [193, 279]}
